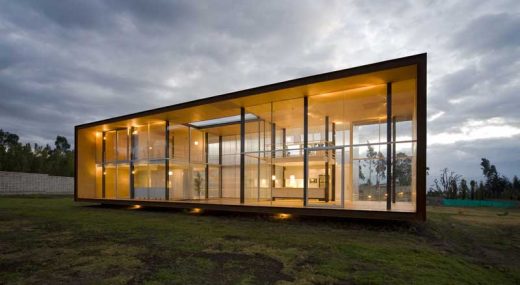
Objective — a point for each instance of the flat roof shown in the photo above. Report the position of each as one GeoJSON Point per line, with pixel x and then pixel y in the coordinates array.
{"type": "Point", "coordinates": [313, 79]}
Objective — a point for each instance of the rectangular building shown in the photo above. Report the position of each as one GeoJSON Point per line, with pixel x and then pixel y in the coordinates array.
{"type": "Point", "coordinates": [349, 143]}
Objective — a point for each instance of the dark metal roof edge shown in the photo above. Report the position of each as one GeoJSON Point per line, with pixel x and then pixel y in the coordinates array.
{"type": "Point", "coordinates": [373, 67]}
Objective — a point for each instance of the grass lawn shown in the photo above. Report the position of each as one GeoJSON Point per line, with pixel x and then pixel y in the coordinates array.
{"type": "Point", "coordinates": [53, 240]}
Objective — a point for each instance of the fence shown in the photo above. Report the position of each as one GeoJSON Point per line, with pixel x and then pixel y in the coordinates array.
{"type": "Point", "coordinates": [479, 203]}
{"type": "Point", "coordinates": [34, 183]}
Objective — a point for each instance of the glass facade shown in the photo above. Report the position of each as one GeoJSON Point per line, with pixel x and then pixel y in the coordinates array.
{"type": "Point", "coordinates": [351, 147]}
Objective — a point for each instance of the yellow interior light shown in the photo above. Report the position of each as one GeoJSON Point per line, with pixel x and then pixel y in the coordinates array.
{"type": "Point", "coordinates": [273, 177]}
{"type": "Point", "coordinates": [170, 173]}
{"type": "Point", "coordinates": [196, 142]}
{"type": "Point", "coordinates": [134, 132]}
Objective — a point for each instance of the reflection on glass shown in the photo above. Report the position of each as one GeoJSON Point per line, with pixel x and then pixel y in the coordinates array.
{"type": "Point", "coordinates": [110, 146]}
{"type": "Point", "coordinates": [123, 181]}
{"type": "Point", "coordinates": [110, 181]}
{"type": "Point", "coordinates": [179, 142]}
{"type": "Point", "coordinates": [122, 145]}
{"type": "Point", "coordinates": [140, 142]}
{"type": "Point", "coordinates": [157, 141]}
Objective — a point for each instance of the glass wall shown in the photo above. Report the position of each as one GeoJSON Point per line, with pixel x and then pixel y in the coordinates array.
{"type": "Point", "coordinates": [349, 147]}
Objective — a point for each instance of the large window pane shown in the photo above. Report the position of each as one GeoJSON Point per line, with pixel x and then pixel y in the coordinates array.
{"type": "Point", "coordinates": [157, 141]}
{"type": "Point", "coordinates": [122, 145]}
{"type": "Point", "coordinates": [179, 184]}
{"type": "Point", "coordinates": [197, 146]}
{"type": "Point", "coordinates": [110, 181]}
{"type": "Point", "coordinates": [157, 188]}
{"type": "Point", "coordinates": [110, 146]}
{"type": "Point", "coordinates": [140, 142]}
{"type": "Point", "coordinates": [123, 181]}
{"type": "Point", "coordinates": [179, 142]}
{"type": "Point", "coordinates": [141, 180]}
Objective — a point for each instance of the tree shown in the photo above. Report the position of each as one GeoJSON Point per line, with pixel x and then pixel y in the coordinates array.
{"type": "Point", "coordinates": [446, 184]}
{"type": "Point", "coordinates": [371, 155]}
{"type": "Point", "coordinates": [473, 185]}
{"type": "Point", "coordinates": [15, 156]}
{"type": "Point", "coordinates": [403, 169]}
{"type": "Point", "coordinates": [496, 185]}
{"type": "Point", "coordinates": [516, 187]}
{"type": "Point", "coordinates": [464, 190]}
{"type": "Point", "coordinates": [360, 173]}
{"type": "Point", "coordinates": [380, 167]}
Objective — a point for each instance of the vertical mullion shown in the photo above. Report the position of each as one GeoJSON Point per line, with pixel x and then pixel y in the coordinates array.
{"type": "Point", "coordinates": [242, 154]}
{"type": "Point", "coordinates": [220, 166]}
{"type": "Point", "coordinates": [206, 169]}
{"type": "Point", "coordinates": [388, 146]}
{"type": "Point", "coordinates": [258, 163]}
{"type": "Point", "coordinates": [333, 166]}
{"type": "Point", "coordinates": [167, 161]}
{"type": "Point", "coordinates": [305, 145]}
{"type": "Point", "coordinates": [131, 148]}
{"type": "Point", "coordinates": [327, 159]}
{"type": "Point", "coordinates": [394, 133]}
{"type": "Point", "coordinates": [116, 151]}
{"type": "Point", "coordinates": [273, 153]}
{"type": "Point", "coordinates": [103, 162]}
{"type": "Point", "coordinates": [284, 141]}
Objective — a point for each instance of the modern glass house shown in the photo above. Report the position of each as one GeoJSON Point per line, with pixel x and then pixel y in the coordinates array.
{"type": "Point", "coordinates": [349, 143]}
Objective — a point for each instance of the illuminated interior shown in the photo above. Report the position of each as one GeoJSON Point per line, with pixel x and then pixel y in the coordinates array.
{"type": "Point", "coordinates": [319, 145]}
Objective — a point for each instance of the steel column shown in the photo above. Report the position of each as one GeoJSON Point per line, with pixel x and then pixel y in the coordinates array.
{"type": "Point", "coordinates": [305, 145]}
{"type": "Point", "coordinates": [103, 168]}
{"type": "Point", "coordinates": [220, 166]}
{"type": "Point", "coordinates": [206, 169]}
{"type": "Point", "coordinates": [388, 146]}
{"type": "Point", "coordinates": [394, 161]}
{"type": "Point", "coordinates": [132, 157]}
{"type": "Point", "coordinates": [242, 153]}
{"type": "Point", "coordinates": [327, 192]}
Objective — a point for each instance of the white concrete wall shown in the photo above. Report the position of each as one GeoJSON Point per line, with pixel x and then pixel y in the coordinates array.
{"type": "Point", "coordinates": [34, 183]}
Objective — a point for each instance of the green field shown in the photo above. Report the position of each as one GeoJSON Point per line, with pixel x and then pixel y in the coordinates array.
{"type": "Point", "coordinates": [49, 240]}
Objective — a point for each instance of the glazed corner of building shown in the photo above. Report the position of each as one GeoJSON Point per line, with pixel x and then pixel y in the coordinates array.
{"type": "Point", "coordinates": [348, 143]}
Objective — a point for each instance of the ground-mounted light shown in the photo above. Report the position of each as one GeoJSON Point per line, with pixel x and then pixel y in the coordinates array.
{"type": "Point", "coordinates": [195, 211]}
{"type": "Point", "coordinates": [282, 216]}
{"type": "Point", "coordinates": [135, 207]}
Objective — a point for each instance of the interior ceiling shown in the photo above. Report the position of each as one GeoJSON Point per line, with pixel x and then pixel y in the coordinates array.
{"type": "Point", "coordinates": [367, 90]}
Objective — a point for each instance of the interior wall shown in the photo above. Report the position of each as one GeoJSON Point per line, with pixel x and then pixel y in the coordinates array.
{"type": "Point", "coordinates": [86, 163]}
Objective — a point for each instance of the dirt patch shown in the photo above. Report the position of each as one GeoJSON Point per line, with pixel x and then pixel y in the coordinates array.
{"type": "Point", "coordinates": [213, 268]}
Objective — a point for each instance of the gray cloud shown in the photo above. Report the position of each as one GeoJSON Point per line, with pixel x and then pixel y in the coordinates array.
{"type": "Point", "coordinates": [64, 63]}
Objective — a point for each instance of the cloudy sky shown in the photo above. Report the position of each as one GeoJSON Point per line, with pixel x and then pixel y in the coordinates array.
{"type": "Point", "coordinates": [64, 63]}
